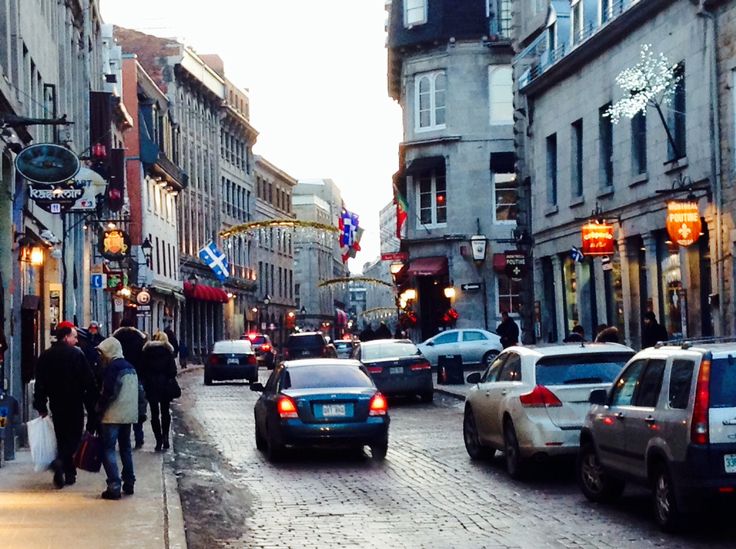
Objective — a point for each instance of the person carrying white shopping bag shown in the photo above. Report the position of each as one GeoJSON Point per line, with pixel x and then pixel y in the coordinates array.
{"type": "Point", "coordinates": [42, 439]}
{"type": "Point", "coordinates": [65, 384]}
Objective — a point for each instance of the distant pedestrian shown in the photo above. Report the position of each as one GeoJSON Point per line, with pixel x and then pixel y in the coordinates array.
{"type": "Point", "coordinates": [508, 330]}
{"type": "Point", "coordinates": [183, 354]}
{"type": "Point", "coordinates": [88, 342]}
{"type": "Point", "coordinates": [367, 334]}
{"type": "Point", "coordinates": [173, 341]}
{"type": "Point", "coordinates": [399, 333]}
{"type": "Point", "coordinates": [132, 340]}
{"type": "Point", "coordinates": [159, 376]}
{"type": "Point", "coordinates": [610, 334]}
{"type": "Point", "coordinates": [652, 331]}
{"type": "Point", "coordinates": [577, 335]}
{"type": "Point", "coordinates": [382, 332]}
{"type": "Point", "coordinates": [118, 410]}
{"type": "Point", "coordinates": [65, 380]}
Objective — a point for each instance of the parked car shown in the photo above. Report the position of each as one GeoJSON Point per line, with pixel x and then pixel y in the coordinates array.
{"type": "Point", "coordinates": [265, 353]}
{"type": "Point", "coordinates": [397, 367]}
{"type": "Point", "coordinates": [308, 345]}
{"type": "Point", "coordinates": [531, 401]}
{"type": "Point", "coordinates": [320, 402]}
{"type": "Point", "coordinates": [475, 346]}
{"type": "Point", "coordinates": [231, 359]}
{"type": "Point", "coordinates": [668, 422]}
{"type": "Point", "coordinates": [344, 347]}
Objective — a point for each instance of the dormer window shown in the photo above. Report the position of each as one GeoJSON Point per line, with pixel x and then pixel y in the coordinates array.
{"type": "Point", "coordinates": [415, 12]}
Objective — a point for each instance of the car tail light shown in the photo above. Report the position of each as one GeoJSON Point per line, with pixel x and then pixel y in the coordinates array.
{"type": "Point", "coordinates": [265, 347]}
{"type": "Point", "coordinates": [251, 336]}
{"type": "Point", "coordinates": [213, 360]}
{"type": "Point", "coordinates": [375, 369]}
{"type": "Point", "coordinates": [286, 407]}
{"type": "Point", "coordinates": [421, 366]}
{"type": "Point", "coordinates": [699, 427]}
{"type": "Point", "coordinates": [539, 397]}
{"type": "Point", "coordinates": [251, 359]}
{"type": "Point", "coordinates": [378, 405]}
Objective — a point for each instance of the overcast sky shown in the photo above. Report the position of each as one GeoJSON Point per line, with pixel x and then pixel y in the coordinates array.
{"type": "Point", "coordinates": [316, 74]}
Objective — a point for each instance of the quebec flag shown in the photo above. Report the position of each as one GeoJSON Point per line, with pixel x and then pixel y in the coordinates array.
{"type": "Point", "coordinates": [215, 260]}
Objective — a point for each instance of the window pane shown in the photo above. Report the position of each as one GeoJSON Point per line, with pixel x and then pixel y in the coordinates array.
{"type": "Point", "coordinates": [511, 369]}
{"type": "Point", "coordinates": [502, 95]}
{"type": "Point", "coordinates": [623, 391]}
{"type": "Point", "coordinates": [449, 337]}
{"type": "Point", "coordinates": [651, 382]}
{"type": "Point", "coordinates": [581, 369]}
{"type": "Point", "coordinates": [472, 335]}
{"type": "Point", "coordinates": [723, 384]}
{"type": "Point", "coordinates": [680, 381]}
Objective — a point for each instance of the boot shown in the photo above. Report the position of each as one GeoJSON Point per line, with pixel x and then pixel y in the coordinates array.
{"type": "Point", "coordinates": [110, 494]}
{"type": "Point", "coordinates": [166, 444]}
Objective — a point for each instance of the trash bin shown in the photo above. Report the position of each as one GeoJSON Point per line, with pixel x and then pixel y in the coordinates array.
{"type": "Point", "coordinates": [450, 370]}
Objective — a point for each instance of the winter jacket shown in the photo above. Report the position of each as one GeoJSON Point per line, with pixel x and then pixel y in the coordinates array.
{"type": "Point", "coordinates": [157, 369]}
{"type": "Point", "coordinates": [64, 378]}
{"type": "Point", "coordinates": [132, 341]}
{"type": "Point", "coordinates": [509, 332]}
{"type": "Point", "coordinates": [119, 398]}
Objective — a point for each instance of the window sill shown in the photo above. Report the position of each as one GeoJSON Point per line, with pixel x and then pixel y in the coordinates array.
{"type": "Point", "coordinates": [639, 179]}
{"type": "Point", "coordinates": [577, 201]}
{"type": "Point", "coordinates": [603, 192]}
{"type": "Point", "coordinates": [551, 209]}
{"type": "Point", "coordinates": [672, 166]}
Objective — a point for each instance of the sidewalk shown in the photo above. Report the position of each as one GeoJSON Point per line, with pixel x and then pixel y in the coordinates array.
{"type": "Point", "coordinates": [457, 391]}
{"type": "Point", "coordinates": [34, 514]}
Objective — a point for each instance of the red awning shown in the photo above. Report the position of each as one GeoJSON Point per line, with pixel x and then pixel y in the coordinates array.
{"type": "Point", "coordinates": [428, 266]}
{"type": "Point", "coordinates": [499, 263]}
{"type": "Point", "coordinates": [203, 292]}
{"type": "Point", "coordinates": [342, 317]}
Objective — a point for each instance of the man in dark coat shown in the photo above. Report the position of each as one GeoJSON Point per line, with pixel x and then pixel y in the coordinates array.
{"type": "Point", "coordinates": [132, 340]}
{"type": "Point", "coordinates": [382, 332]}
{"type": "Point", "coordinates": [88, 341]}
{"type": "Point", "coordinates": [65, 380]}
{"type": "Point", "coordinates": [653, 331]}
{"type": "Point", "coordinates": [508, 330]}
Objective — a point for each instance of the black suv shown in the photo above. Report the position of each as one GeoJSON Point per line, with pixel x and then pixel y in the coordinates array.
{"type": "Point", "coordinates": [668, 422]}
{"type": "Point", "coordinates": [263, 347]}
{"type": "Point", "coordinates": [308, 345]}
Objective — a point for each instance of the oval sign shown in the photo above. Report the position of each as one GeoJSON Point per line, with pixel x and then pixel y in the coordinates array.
{"type": "Point", "coordinates": [47, 163]}
{"type": "Point", "coordinates": [598, 239]}
{"type": "Point", "coordinates": [683, 221]}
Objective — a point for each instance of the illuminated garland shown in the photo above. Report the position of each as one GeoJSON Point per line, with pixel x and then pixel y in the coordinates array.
{"type": "Point", "coordinates": [347, 279]}
{"type": "Point", "coordinates": [253, 226]}
{"type": "Point", "coordinates": [387, 311]}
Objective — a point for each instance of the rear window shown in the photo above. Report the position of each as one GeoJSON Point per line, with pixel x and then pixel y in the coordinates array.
{"type": "Point", "coordinates": [325, 375]}
{"type": "Point", "coordinates": [258, 340]}
{"type": "Point", "coordinates": [312, 340]}
{"type": "Point", "coordinates": [723, 383]}
{"type": "Point", "coordinates": [234, 346]}
{"type": "Point", "coordinates": [580, 369]}
{"type": "Point", "coordinates": [388, 350]}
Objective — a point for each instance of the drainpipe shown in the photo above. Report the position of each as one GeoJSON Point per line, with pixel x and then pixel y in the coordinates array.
{"type": "Point", "coordinates": [715, 140]}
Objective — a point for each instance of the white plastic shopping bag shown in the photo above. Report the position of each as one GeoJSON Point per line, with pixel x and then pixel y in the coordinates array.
{"type": "Point", "coordinates": [42, 439]}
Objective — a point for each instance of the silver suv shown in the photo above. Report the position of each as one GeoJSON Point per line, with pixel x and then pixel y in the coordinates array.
{"type": "Point", "coordinates": [668, 422]}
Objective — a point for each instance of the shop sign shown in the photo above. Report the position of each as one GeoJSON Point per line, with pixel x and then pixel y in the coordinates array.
{"type": "Point", "coordinates": [515, 265]}
{"type": "Point", "coordinates": [116, 280]}
{"type": "Point", "coordinates": [143, 298]}
{"type": "Point", "coordinates": [683, 221]}
{"type": "Point", "coordinates": [395, 256]}
{"type": "Point", "coordinates": [47, 163]}
{"type": "Point", "coordinates": [114, 244]}
{"type": "Point", "coordinates": [598, 239]}
{"type": "Point", "coordinates": [57, 198]}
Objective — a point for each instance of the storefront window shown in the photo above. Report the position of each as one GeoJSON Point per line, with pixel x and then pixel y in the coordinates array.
{"type": "Point", "coordinates": [569, 281]}
{"type": "Point", "coordinates": [614, 294]}
{"type": "Point", "coordinates": [672, 291]}
{"type": "Point", "coordinates": [509, 294]}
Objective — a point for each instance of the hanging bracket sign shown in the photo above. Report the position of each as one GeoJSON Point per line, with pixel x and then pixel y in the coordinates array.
{"type": "Point", "coordinates": [598, 239]}
{"type": "Point", "coordinates": [683, 221]}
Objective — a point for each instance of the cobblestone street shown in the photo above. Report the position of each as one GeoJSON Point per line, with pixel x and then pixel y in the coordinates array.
{"type": "Point", "coordinates": [427, 493]}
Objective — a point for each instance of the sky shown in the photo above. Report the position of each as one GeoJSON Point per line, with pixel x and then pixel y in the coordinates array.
{"type": "Point", "coordinates": [316, 75]}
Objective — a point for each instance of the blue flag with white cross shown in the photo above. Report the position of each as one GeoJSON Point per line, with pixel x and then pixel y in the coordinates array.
{"type": "Point", "coordinates": [216, 260]}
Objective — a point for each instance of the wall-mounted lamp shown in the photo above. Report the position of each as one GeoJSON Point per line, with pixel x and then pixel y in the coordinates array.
{"type": "Point", "coordinates": [29, 251]}
{"type": "Point", "coordinates": [395, 268]}
{"type": "Point", "coordinates": [303, 310]}
{"type": "Point", "coordinates": [409, 294]}
{"type": "Point", "coordinates": [449, 292]}
{"type": "Point", "coordinates": [478, 244]}
{"type": "Point", "coordinates": [147, 249]}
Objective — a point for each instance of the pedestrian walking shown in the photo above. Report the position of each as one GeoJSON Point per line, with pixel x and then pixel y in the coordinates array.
{"type": "Point", "coordinates": [367, 334]}
{"type": "Point", "coordinates": [117, 408]}
{"type": "Point", "coordinates": [88, 342]}
{"type": "Point", "coordinates": [652, 331]}
{"type": "Point", "coordinates": [609, 334]}
{"type": "Point", "coordinates": [132, 340]}
{"type": "Point", "coordinates": [577, 335]}
{"type": "Point", "coordinates": [183, 354]}
{"type": "Point", "coordinates": [159, 381]}
{"type": "Point", "coordinates": [508, 330]}
{"type": "Point", "coordinates": [65, 385]}
{"type": "Point", "coordinates": [382, 332]}
{"type": "Point", "coordinates": [173, 341]}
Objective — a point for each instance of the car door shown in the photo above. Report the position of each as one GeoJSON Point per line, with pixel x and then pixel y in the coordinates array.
{"type": "Point", "coordinates": [640, 423]}
{"type": "Point", "coordinates": [473, 346]}
{"type": "Point", "coordinates": [442, 344]}
{"type": "Point", "coordinates": [481, 398]}
{"type": "Point", "coordinates": [609, 421]}
{"type": "Point", "coordinates": [508, 379]}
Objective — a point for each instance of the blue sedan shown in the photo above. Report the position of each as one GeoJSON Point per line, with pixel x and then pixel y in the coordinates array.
{"type": "Point", "coordinates": [320, 402]}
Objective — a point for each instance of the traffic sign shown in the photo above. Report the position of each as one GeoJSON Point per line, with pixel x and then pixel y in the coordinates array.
{"type": "Point", "coordinates": [471, 287]}
{"type": "Point", "coordinates": [97, 281]}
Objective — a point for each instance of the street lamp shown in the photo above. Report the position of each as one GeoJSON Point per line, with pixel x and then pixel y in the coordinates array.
{"type": "Point", "coordinates": [266, 302]}
{"type": "Point", "coordinates": [147, 249]}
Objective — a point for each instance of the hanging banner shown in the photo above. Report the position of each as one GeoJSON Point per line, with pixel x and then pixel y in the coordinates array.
{"type": "Point", "coordinates": [598, 239]}
{"type": "Point", "coordinates": [515, 264]}
{"type": "Point", "coordinates": [114, 244]}
{"type": "Point", "coordinates": [683, 221]}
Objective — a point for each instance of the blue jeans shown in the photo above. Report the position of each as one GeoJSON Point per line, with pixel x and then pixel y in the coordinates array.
{"type": "Point", "coordinates": [120, 433]}
{"type": "Point", "coordinates": [138, 432]}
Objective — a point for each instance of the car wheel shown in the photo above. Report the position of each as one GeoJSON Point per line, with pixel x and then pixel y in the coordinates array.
{"type": "Point", "coordinates": [260, 440]}
{"type": "Point", "coordinates": [514, 461]}
{"type": "Point", "coordinates": [470, 435]}
{"type": "Point", "coordinates": [427, 397]}
{"type": "Point", "coordinates": [595, 484]}
{"type": "Point", "coordinates": [666, 513]}
{"type": "Point", "coordinates": [207, 378]}
{"type": "Point", "coordinates": [379, 450]}
{"type": "Point", "coordinates": [489, 357]}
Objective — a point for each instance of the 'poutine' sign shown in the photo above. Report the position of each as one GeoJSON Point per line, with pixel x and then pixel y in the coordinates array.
{"type": "Point", "coordinates": [683, 221]}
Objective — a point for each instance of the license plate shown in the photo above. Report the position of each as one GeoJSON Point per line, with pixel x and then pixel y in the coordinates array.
{"type": "Point", "coordinates": [233, 361]}
{"type": "Point", "coordinates": [729, 462]}
{"type": "Point", "coordinates": [333, 410]}
{"type": "Point", "coordinates": [396, 370]}
{"type": "Point", "coordinates": [305, 353]}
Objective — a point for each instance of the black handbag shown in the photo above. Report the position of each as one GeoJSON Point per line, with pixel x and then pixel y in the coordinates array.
{"type": "Point", "coordinates": [172, 389]}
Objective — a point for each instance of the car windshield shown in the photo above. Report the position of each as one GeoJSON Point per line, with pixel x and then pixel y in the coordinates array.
{"type": "Point", "coordinates": [342, 345]}
{"type": "Point", "coordinates": [234, 346]}
{"type": "Point", "coordinates": [388, 349]}
{"type": "Point", "coordinates": [580, 369]}
{"type": "Point", "coordinates": [322, 376]}
{"type": "Point", "coordinates": [723, 383]}
{"type": "Point", "coordinates": [312, 340]}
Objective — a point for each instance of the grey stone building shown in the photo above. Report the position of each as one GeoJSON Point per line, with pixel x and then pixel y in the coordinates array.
{"type": "Point", "coordinates": [449, 67]}
{"type": "Point", "coordinates": [583, 168]}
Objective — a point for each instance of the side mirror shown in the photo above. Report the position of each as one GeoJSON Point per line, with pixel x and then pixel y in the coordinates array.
{"type": "Point", "coordinates": [598, 396]}
{"type": "Point", "coordinates": [430, 343]}
{"type": "Point", "coordinates": [474, 378]}
{"type": "Point", "coordinates": [256, 386]}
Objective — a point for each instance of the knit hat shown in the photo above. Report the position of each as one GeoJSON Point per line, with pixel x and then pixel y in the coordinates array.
{"type": "Point", "coordinates": [65, 324]}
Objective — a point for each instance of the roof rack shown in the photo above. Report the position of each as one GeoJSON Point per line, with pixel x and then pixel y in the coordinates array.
{"type": "Point", "coordinates": [686, 343]}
